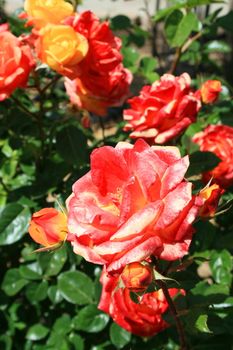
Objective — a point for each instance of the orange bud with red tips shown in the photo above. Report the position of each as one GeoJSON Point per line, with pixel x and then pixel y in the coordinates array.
{"type": "Point", "coordinates": [48, 227]}
{"type": "Point", "coordinates": [211, 196]}
{"type": "Point", "coordinates": [210, 91]}
{"type": "Point", "coordinates": [136, 276]}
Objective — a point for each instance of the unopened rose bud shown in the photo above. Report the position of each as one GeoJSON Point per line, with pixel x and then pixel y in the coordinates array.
{"type": "Point", "coordinates": [210, 91]}
{"type": "Point", "coordinates": [211, 196]}
{"type": "Point", "coordinates": [48, 227]}
{"type": "Point", "coordinates": [136, 276]}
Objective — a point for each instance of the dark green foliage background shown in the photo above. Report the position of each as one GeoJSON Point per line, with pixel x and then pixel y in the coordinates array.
{"type": "Point", "coordinates": [48, 301]}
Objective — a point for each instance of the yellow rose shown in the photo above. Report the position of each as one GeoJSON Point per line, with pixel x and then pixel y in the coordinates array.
{"type": "Point", "coordinates": [61, 48]}
{"type": "Point", "coordinates": [42, 12]}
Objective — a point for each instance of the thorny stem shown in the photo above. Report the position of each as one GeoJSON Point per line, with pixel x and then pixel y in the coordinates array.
{"type": "Point", "coordinates": [179, 326]}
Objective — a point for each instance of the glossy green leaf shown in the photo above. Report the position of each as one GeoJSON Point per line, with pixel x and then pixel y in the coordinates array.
{"type": "Point", "coordinates": [201, 324]}
{"type": "Point", "coordinates": [56, 263]}
{"type": "Point", "coordinates": [120, 22]}
{"type": "Point", "coordinates": [119, 336]}
{"type": "Point", "coordinates": [54, 295]}
{"type": "Point", "coordinates": [76, 287]}
{"type": "Point", "coordinates": [90, 319]}
{"type": "Point", "coordinates": [13, 282]}
{"type": "Point", "coordinates": [77, 341]}
{"type": "Point", "coordinates": [62, 325]}
{"type": "Point", "coordinates": [36, 292]}
{"type": "Point", "coordinates": [37, 332]}
{"type": "Point", "coordinates": [31, 271]}
{"type": "Point", "coordinates": [202, 161]}
{"type": "Point", "coordinates": [14, 219]}
{"type": "Point", "coordinates": [72, 145]}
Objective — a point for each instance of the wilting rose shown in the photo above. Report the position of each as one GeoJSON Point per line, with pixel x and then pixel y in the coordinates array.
{"type": "Point", "coordinates": [145, 318]}
{"type": "Point", "coordinates": [61, 48]}
{"type": "Point", "coordinates": [136, 276]}
{"type": "Point", "coordinates": [134, 202]}
{"type": "Point", "coordinates": [41, 12]}
{"type": "Point", "coordinates": [16, 63]}
{"type": "Point", "coordinates": [211, 196]}
{"type": "Point", "coordinates": [163, 110]}
{"type": "Point", "coordinates": [104, 47]}
{"type": "Point", "coordinates": [210, 91]}
{"type": "Point", "coordinates": [219, 140]}
{"type": "Point", "coordinates": [107, 91]}
{"type": "Point", "coordinates": [48, 227]}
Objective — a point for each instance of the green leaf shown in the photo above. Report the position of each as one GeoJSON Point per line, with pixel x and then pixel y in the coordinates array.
{"type": "Point", "coordinates": [171, 24]}
{"type": "Point", "coordinates": [119, 336]}
{"type": "Point", "coordinates": [76, 287]}
{"type": "Point", "coordinates": [36, 292]}
{"type": "Point", "coordinates": [13, 282]}
{"type": "Point", "coordinates": [178, 27]}
{"type": "Point", "coordinates": [54, 295]}
{"type": "Point", "coordinates": [14, 219]}
{"type": "Point", "coordinates": [130, 56]}
{"type": "Point", "coordinates": [201, 324]}
{"type": "Point", "coordinates": [76, 341]}
{"type": "Point", "coordinates": [148, 64]}
{"type": "Point", "coordinates": [37, 332]}
{"type": "Point", "coordinates": [31, 271]}
{"type": "Point", "coordinates": [72, 145]}
{"type": "Point", "coordinates": [226, 21]}
{"type": "Point", "coordinates": [57, 261]}
{"type": "Point", "coordinates": [62, 325]}
{"type": "Point", "coordinates": [120, 22]}
{"type": "Point", "coordinates": [217, 46]}
{"type": "Point", "coordinates": [202, 161]}
{"type": "Point", "coordinates": [91, 320]}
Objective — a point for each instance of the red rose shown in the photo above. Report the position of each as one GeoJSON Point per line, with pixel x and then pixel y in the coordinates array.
{"type": "Point", "coordinates": [210, 91]}
{"type": "Point", "coordinates": [145, 318]}
{"type": "Point", "coordinates": [219, 140]}
{"type": "Point", "coordinates": [134, 202]}
{"type": "Point", "coordinates": [163, 110]}
{"type": "Point", "coordinates": [15, 64]}
{"type": "Point", "coordinates": [102, 81]}
{"type": "Point", "coordinates": [48, 227]}
{"type": "Point", "coordinates": [104, 47]}
{"type": "Point", "coordinates": [107, 91]}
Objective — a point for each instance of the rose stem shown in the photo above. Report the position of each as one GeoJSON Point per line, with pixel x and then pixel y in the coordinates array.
{"type": "Point", "coordinates": [179, 326]}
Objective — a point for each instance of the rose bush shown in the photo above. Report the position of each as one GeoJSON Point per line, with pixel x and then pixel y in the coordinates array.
{"type": "Point", "coordinates": [134, 202]}
{"type": "Point", "coordinates": [48, 227]}
{"type": "Point", "coordinates": [219, 140]}
{"type": "Point", "coordinates": [163, 110]}
{"type": "Point", "coordinates": [16, 63]}
{"type": "Point", "coordinates": [144, 319]}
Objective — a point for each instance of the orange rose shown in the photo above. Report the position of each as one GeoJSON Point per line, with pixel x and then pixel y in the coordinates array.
{"type": "Point", "coordinates": [210, 90]}
{"type": "Point", "coordinates": [41, 12]}
{"type": "Point", "coordinates": [211, 196]}
{"type": "Point", "coordinates": [16, 62]}
{"type": "Point", "coordinates": [48, 227]}
{"type": "Point", "coordinates": [136, 277]}
{"type": "Point", "coordinates": [61, 48]}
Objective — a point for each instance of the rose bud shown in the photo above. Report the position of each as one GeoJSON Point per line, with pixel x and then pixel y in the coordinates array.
{"type": "Point", "coordinates": [211, 196]}
{"type": "Point", "coordinates": [48, 227]}
{"type": "Point", "coordinates": [61, 48]}
{"type": "Point", "coordinates": [136, 277]}
{"type": "Point", "coordinates": [210, 91]}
